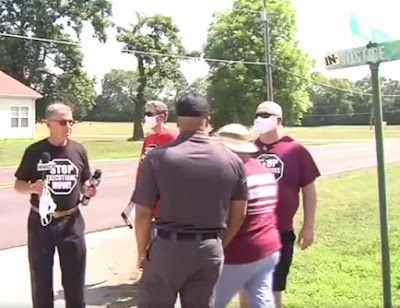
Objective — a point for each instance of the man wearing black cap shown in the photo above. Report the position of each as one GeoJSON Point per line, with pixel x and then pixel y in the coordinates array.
{"type": "Point", "coordinates": [203, 191]}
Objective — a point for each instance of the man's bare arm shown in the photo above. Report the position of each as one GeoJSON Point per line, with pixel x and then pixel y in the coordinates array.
{"type": "Point", "coordinates": [142, 230]}
{"type": "Point", "coordinates": [306, 235]}
{"type": "Point", "coordinates": [309, 204]}
{"type": "Point", "coordinates": [28, 188]}
{"type": "Point", "coordinates": [236, 216]}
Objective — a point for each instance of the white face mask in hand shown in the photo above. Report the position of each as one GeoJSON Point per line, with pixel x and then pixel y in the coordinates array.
{"type": "Point", "coordinates": [150, 121]}
{"type": "Point", "coordinates": [47, 206]}
{"type": "Point", "coordinates": [264, 125]}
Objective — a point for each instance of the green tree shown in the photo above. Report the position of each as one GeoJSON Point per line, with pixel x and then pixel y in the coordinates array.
{"type": "Point", "coordinates": [391, 102]}
{"type": "Point", "coordinates": [78, 91]}
{"type": "Point", "coordinates": [200, 85]}
{"type": "Point", "coordinates": [170, 93]}
{"type": "Point", "coordinates": [236, 89]}
{"type": "Point", "coordinates": [332, 101]}
{"type": "Point", "coordinates": [155, 35]}
{"type": "Point", "coordinates": [119, 90]}
{"type": "Point", "coordinates": [363, 106]}
{"type": "Point", "coordinates": [117, 98]}
{"type": "Point", "coordinates": [34, 62]}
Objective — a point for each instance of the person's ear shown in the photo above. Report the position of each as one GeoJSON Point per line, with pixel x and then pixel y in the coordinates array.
{"type": "Point", "coordinates": [208, 121]}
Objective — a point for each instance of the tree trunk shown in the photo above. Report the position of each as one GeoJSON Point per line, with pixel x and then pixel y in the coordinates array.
{"type": "Point", "coordinates": [140, 102]}
{"type": "Point", "coordinates": [137, 120]}
{"type": "Point", "coordinates": [371, 119]}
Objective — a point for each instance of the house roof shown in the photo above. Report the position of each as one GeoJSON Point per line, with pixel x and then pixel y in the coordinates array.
{"type": "Point", "coordinates": [12, 87]}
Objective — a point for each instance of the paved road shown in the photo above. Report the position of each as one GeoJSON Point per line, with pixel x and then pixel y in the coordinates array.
{"type": "Point", "coordinates": [104, 211]}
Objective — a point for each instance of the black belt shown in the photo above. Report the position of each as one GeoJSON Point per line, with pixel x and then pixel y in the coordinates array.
{"type": "Point", "coordinates": [165, 234]}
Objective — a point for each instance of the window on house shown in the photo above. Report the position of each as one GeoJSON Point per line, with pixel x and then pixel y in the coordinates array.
{"type": "Point", "coordinates": [14, 117]}
{"type": "Point", "coordinates": [19, 116]}
{"type": "Point", "coordinates": [24, 116]}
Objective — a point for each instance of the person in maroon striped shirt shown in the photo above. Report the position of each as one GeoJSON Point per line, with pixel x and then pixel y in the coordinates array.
{"type": "Point", "coordinates": [251, 256]}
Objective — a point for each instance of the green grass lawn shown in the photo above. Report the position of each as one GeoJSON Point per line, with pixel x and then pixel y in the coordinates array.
{"type": "Point", "coordinates": [341, 132]}
{"type": "Point", "coordinates": [343, 268]}
{"type": "Point", "coordinates": [109, 140]}
{"type": "Point", "coordinates": [94, 128]}
{"type": "Point", "coordinates": [11, 151]}
{"type": "Point", "coordinates": [326, 132]}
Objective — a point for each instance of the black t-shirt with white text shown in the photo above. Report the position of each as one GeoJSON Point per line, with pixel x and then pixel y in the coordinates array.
{"type": "Point", "coordinates": [65, 180]}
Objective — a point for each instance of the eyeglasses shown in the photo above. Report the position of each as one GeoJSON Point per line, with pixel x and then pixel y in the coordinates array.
{"type": "Point", "coordinates": [264, 115]}
{"type": "Point", "coordinates": [63, 122]}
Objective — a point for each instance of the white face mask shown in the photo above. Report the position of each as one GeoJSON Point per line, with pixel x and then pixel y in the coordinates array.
{"type": "Point", "coordinates": [150, 121]}
{"type": "Point", "coordinates": [264, 125]}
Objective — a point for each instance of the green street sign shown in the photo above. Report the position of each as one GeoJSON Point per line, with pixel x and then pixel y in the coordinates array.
{"type": "Point", "coordinates": [373, 53]}
{"type": "Point", "coordinates": [364, 30]}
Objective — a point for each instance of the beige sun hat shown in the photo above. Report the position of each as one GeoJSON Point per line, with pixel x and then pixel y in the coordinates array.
{"type": "Point", "coordinates": [237, 138]}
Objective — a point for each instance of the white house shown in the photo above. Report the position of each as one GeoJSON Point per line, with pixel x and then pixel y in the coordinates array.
{"type": "Point", "coordinates": [17, 108]}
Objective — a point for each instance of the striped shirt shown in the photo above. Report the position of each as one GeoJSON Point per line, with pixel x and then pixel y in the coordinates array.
{"type": "Point", "coordinates": [263, 193]}
{"type": "Point", "coordinates": [258, 236]}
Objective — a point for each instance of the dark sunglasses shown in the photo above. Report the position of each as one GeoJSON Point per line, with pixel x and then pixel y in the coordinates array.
{"type": "Point", "coordinates": [63, 122]}
{"type": "Point", "coordinates": [264, 115]}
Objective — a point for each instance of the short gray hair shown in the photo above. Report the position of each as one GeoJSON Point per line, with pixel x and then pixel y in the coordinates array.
{"type": "Point", "coordinates": [54, 107]}
{"type": "Point", "coordinates": [159, 107]}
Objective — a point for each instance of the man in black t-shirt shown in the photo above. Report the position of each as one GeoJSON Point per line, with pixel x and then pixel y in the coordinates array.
{"type": "Point", "coordinates": [63, 228]}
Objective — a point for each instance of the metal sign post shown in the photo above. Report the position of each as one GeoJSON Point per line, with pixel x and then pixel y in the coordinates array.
{"type": "Point", "coordinates": [374, 54]}
{"type": "Point", "coordinates": [383, 212]}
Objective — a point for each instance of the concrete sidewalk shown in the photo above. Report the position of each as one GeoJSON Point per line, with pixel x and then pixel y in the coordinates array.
{"type": "Point", "coordinates": [111, 257]}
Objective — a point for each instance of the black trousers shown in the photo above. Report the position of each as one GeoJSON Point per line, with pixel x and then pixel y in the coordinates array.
{"type": "Point", "coordinates": [282, 268]}
{"type": "Point", "coordinates": [67, 235]}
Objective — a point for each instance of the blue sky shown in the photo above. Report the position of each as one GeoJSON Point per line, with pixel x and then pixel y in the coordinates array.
{"type": "Point", "coordinates": [323, 26]}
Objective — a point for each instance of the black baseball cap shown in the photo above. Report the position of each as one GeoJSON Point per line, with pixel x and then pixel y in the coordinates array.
{"type": "Point", "coordinates": [192, 105]}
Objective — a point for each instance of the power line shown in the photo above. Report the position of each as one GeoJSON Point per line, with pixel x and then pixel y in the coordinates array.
{"type": "Point", "coordinates": [39, 39]}
{"type": "Point", "coordinates": [321, 83]}
{"type": "Point", "coordinates": [185, 57]}
{"type": "Point", "coordinates": [347, 114]}
{"type": "Point", "coordinates": [132, 51]}
{"type": "Point", "coordinates": [246, 10]}
{"type": "Point", "coordinates": [227, 9]}
{"type": "Point", "coordinates": [330, 86]}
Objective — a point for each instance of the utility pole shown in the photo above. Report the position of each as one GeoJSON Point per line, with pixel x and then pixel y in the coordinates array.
{"type": "Point", "coordinates": [268, 67]}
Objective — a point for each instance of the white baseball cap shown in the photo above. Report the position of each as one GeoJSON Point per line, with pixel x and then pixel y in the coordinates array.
{"type": "Point", "coordinates": [236, 137]}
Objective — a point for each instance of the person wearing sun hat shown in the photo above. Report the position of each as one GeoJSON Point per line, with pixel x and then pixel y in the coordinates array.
{"type": "Point", "coordinates": [251, 256]}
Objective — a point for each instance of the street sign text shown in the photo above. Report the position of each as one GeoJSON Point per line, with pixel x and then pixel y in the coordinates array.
{"type": "Point", "coordinates": [383, 52]}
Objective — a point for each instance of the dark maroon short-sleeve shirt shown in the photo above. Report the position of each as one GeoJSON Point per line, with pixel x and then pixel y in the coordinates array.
{"type": "Point", "coordinates": [294, 168]}
{"type": "Point", "coordinates": [195, 179]}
